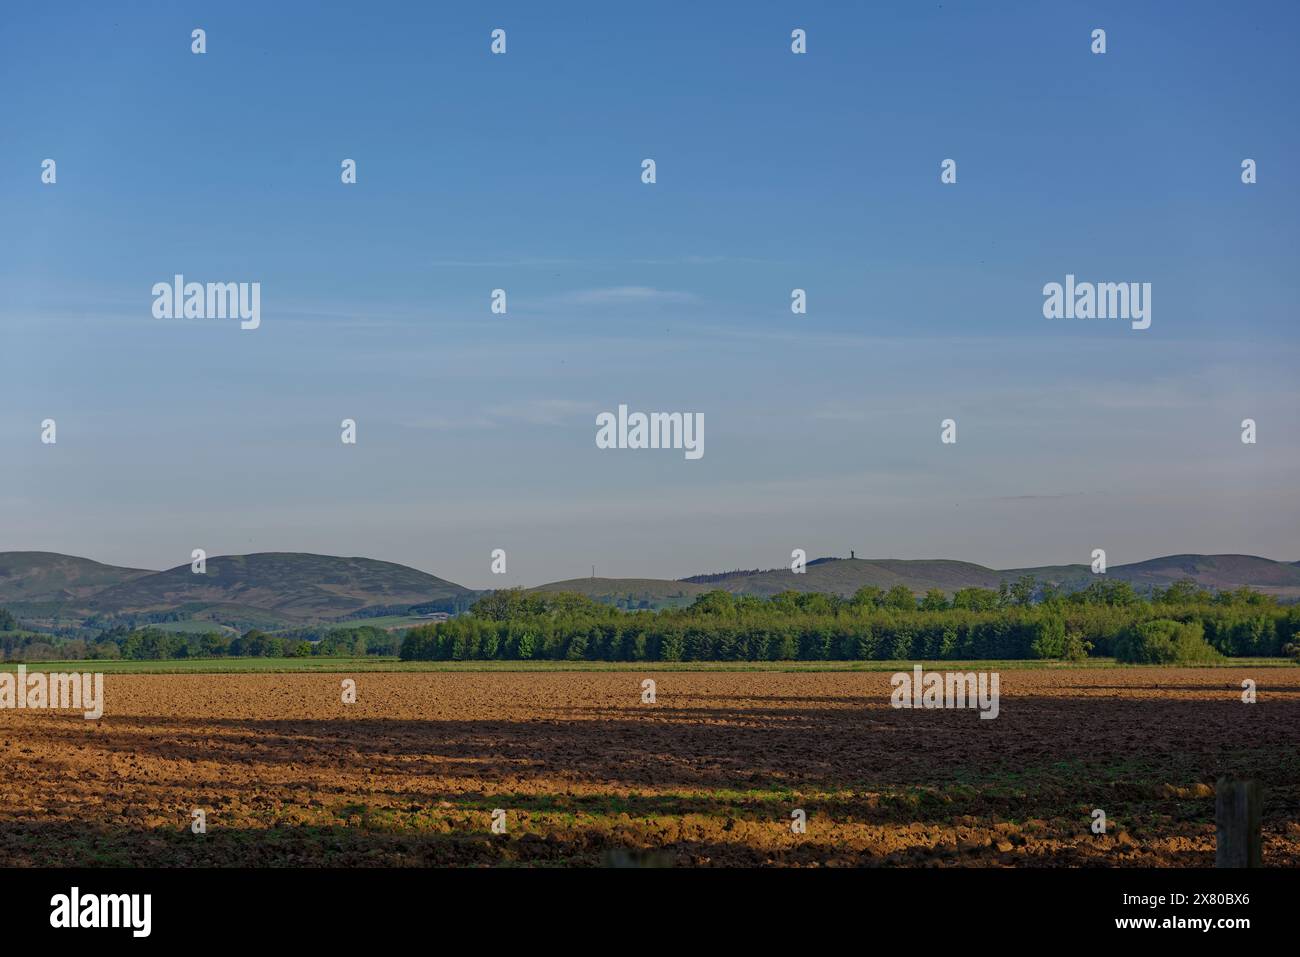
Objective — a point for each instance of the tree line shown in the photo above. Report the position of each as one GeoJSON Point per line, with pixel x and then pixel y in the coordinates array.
{"type": "Point", "coordinates": [1022, 619]}
{"type": "Point", "coordinates": [150, 643]}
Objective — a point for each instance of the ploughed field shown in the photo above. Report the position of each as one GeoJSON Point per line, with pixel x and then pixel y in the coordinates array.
{"type": "Point", "coordinates": [587, 774]}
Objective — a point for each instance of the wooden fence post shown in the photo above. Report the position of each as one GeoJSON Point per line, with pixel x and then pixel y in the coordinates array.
{"type": "Point", "coordinates": [1237, 806]}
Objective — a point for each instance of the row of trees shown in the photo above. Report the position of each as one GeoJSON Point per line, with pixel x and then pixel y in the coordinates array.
{"type": "Point", "coordinates": [1107, 619]}
{"type": "Point", "coordinates": [146, 644]}
{"type": "Point", "coordinates": [153, 644]}
{"type": "Point", "coordinates": [1023, 619]}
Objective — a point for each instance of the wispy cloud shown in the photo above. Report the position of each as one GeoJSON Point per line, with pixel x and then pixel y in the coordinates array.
{"type": "Point", "coordinates": [702, 261]}
{"type": "Point", "coordinates": [545, 262]}
{"type": "Point", "coordinates": [543, 411]}
{"type": "Point", "coordinates": [625, 295]}
{"type": "Point", "coordinates": [452, 423]}
{"type": "Point", "coordinates": [538, 412]}
{"type": "Point", "coordinates": [521, 262]}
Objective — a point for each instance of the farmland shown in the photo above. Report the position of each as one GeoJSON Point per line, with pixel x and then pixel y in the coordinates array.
{"type": "Point", "coordinates": [348, 665]}
{"type": "Point", "coordinates": [587, 773]}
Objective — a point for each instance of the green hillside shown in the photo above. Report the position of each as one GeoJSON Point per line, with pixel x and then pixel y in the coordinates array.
{"type": "Point", "coordinates": [266, 590]}
{"type": "Point", "coordinates": [47, 577]}
{"type": "Point", "coordinates": [290, 585]}
{"type": "Point", "coordinates": [844, 576]}
{"type": "Point", "coordinates": [630, 592]}
{"type": "Point", "coordinates": [276, 590]}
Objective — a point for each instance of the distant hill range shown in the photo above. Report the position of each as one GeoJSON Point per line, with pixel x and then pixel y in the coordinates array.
{"type": "Point", "coordinates": [50, 577]}
{"type": "Point", "coordinates": [284, 589]}
{"type": "Point", "coordinates": [269, 589]}
{"type": "Point", "coordinates": [844, 576]}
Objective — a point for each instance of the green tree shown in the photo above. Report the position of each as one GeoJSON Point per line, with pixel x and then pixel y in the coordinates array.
{"type": "Point", "coordinates": [934, 600]}
{"type": "Point", "coordinates": [1023, 590]}
{"type": "Point", "coordinates": [1164, 641]}
{"type": "Point", "coordinates": [716, 602]}
{"type": "Point", "coordinates": [867, 597]}
{"type": "Point", "coordinates": [1185, 591]}
{"type": "Point", "coordinates": [1050, 640]}
{"type": "Point", "coordinates": [975, 599]}
{"type": "Point", "coordinates": [901, 598]}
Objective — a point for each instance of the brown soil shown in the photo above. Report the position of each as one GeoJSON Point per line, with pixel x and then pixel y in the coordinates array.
{"type": "Point", "coordinates": [410, 774]}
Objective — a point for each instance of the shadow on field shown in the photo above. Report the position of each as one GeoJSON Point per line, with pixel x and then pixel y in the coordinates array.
{"type": "Point", "coordinates": [89, 845]}
{"type": "Point", "coordinates": [1165, 741]}
{"type": "Point", "coordinates": [356, 791]}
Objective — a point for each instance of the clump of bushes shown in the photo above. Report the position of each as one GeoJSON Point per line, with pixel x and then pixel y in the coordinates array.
{"type": "Point", "coordinates": [1056, 640]}
{"type": "Point", "coordinates": [1163, 641]}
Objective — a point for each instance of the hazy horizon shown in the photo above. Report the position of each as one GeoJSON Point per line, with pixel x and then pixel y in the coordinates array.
{"type": "Point", "coordinates": [497, 580]}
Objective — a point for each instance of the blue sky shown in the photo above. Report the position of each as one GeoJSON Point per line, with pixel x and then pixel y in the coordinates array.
{"type": "Point", "coordinates": [522, 172]}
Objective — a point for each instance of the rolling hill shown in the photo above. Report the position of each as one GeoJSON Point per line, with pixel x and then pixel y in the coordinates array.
{"type": "Point", "coordinates": [1219, 572]}
{"type": "Point", "coordinates": [284, 589]}
{"type": "Point", "coordinates": [37, 577]}
{"type": "Point", "coordinates": [290, 585]}
{"type": "Point", "coordinates": [631, 592]}
{"type": "Point", "coordinates": [268, 589]}
{"type": "Point", "coordinates": [1215, 572]}
{"type": "Point", "coordinates": [844, 576]}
